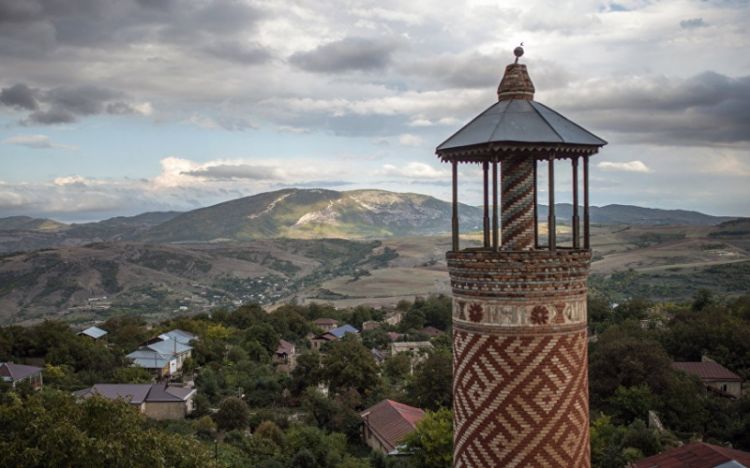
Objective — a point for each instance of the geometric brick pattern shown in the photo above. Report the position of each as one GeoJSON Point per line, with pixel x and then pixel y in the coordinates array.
{"type": "Point", "coordinates": [520, 400]}
{"type": "Point", "coordinates": [517, 181]}
{"type": "Point", "coordinates": [520, 388]}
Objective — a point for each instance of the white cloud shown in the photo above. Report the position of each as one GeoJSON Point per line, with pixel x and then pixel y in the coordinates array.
{"type": "Point", "coordinates": [628, 166]}
{"type": "Point", "coordinates": [414, 170]}
{"type": "Point", "coordinates": [407, 139]}
{"type": "Point", "coordinates": [36, 142]}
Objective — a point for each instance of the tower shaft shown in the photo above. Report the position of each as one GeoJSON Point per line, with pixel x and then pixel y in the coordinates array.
{"type": "Point", "coordinates": [520, 383]}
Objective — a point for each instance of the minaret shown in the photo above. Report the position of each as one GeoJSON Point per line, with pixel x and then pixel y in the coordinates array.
{"type": "Point", "coordinates": [520, 372]}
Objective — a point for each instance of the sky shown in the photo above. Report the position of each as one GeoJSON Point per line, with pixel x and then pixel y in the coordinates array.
{"type": "Point", "coordinates": [117, 107]}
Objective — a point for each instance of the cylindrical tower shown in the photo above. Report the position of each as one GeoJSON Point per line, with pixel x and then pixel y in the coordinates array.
{"type": "Point", "coordinates": [520, 388]}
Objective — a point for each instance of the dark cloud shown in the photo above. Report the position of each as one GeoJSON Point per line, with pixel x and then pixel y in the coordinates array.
{"type": "Point", "coordinates": [40, 27]}
{"type": "Point", "coordinates": [80, 100]}
{"type": "Point", "coordinates": [237, 171]}
{"type": "Point", "coordinates": [19, 96]}
{"type": "Point", "coordinates": [351, 53]}
{"type": "Point", "coordinates": [50, 117]}
{"type": "Point", "coordinates": [693, 23]}
{"type": "Point", "coordinates": [707, 108]}
{"type": "Point", "coordinates": [64, 104]}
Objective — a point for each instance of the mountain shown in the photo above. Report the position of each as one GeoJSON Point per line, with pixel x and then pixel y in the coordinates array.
{"type": "Point", "coordinates": [315, 213]}
{"type": "Point", "coordinates": [24, 223]}
{"type": "Point", "coordinates": [629, 214]}
{"type": "Point", "coordinates": [22, 233]}
{"type": "Point", "coordinates": [306, 214]}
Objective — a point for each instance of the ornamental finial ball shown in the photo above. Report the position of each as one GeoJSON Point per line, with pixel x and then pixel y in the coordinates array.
{"type": "Point", "coordinates": [518, 51]}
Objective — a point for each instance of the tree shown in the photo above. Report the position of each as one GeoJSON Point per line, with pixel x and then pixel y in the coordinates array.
{"type": "Point", "coordinates": [431, 444]}
{"type": "Point", "coordinates": [432, 385]}
{"type": "Point", "coordinates": [233, 414]}
{"type": "Point", "coordinates": [348, 364]}
{"type": "Point", "coordinates": [307, 373]}
{"type": "Point", "coordinates": [269, 430]}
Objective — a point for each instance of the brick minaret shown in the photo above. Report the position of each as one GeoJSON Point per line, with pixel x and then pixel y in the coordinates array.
{"type": "Point", "coordinates": [520, 388]}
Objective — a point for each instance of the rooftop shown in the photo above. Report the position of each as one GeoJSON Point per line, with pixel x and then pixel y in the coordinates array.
{"type": "Point", "coordinates": [168, 347]}
{"type": "Point", "coordinates": [339, 332]}
{"type": "Point", "coordinates": [14, 372]}
{"type": "Point", "coordinates": [93, 332]}
{"type": "Point", "coordinates": [136, 394]}
{"type": "Point", "coordinates": [181, 336]}
{"type": "Point", "coordinates": [697, 455]}
{"type": "Point", "coordinates": [391, 421]}
{"type": "Point", "coordinates": [707, 370]}
{"type": "Point", "coordinates": [285, 347]}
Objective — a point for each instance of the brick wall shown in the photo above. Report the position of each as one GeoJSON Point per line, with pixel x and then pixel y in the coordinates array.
{"type": "Point", "coordinates": [520, 372]}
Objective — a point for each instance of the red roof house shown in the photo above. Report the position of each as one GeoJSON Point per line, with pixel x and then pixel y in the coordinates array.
{"type": "Point", "coordinates": [714, 376]}
{"type": "Point", "coordinates": [387, 423]}
{"type": "Point", "coordinates": [696, 455]}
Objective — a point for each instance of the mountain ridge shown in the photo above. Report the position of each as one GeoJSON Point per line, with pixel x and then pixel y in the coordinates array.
{"type": "Point", "coordinates": [306, 214]}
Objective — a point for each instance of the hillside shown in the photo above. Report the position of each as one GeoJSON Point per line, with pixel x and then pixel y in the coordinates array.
{"type": "Point", "coordinates": [305, 214]}
{"type": "Point", "coordinates": [98, 280]}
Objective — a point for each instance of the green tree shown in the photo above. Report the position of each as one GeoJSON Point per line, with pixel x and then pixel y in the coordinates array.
{"type": "Point", "coordinates": [432, 384]}
{"type": "Point", "coordinates": [348, 364]}
{"type": "Point", "coordinates": [233, 414]}
{"type": "Point", "coordinates": [431, 444]}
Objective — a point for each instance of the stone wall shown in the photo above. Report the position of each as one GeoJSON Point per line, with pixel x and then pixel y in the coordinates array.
{"type": "Point", "coordinates": [520, 349]}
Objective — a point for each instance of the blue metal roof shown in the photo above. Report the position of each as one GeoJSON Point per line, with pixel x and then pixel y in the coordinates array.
{"type": "Point", "coordinates": [169, 347]}
{"type": "Point", "coordinates": [520, 121]}
{"type": "Point", "coordinates": [339, 332]}
{"type": "Point", "coordinates": [93, 332]}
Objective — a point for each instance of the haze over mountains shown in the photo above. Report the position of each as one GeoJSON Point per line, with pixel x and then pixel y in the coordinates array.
{"type": "Point", "coordinates": [304, 214]}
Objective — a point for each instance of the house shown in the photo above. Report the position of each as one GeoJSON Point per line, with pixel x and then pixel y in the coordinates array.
{"type": "Point", "coordinates": [370, 325]}
{"type": "Point", "coordinates": [414, 347]}
{"type": "Point", "coordinates": [714, 376]}
{"type": "Point", "coordinates": [394, 336]}
{"type": "Point", "coordinates": [386, 424]}
{"type": "Point", "coordinates": [94, 333]}
{"type": "Point", "coordinates": [326, 324]}
{"type": "Point", "coordinates": [285, 356]}
{"type": "Point", "coordinates": [180, 336]}
{"type": "Point", "coordinates": [332, 335]}
{"type": "Point", "coordinates": [696, 455]}
{"type": "Point", "coordinates": [157, 401]}
{"type": "Point", "coordinates": [16, 373]}
{"type": "Point", "coordinates": [158, 364]}
{"type": "Point", "coordinates": [165, 355]}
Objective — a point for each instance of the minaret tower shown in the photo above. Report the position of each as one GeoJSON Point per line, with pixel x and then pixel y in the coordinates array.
{"type": "Point", "coordinates": [520, 372]}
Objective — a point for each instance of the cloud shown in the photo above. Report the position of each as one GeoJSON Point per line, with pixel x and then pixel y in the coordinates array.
{"type": "Point", "coordinates": [707, 108]}
{"type": "Point", "coordinates": [351, 53]}
{"type": "Point", "coordinates": [628, 166]}
{"type": "Point", "coordinates": [407, 139]}
{"type": "Point", "coordinates": [36, 142]}
{"type": "Point", "coordinates": [693, 23]}
{"type": "Point", "coordinates": [237, 171]}
{"type": "Point", "coordinates": [223, 122]}
{"type": "Point", "coordinates": [66, 104]}
{"type": "Point", "coordinates": [19, 96]}
{"type": "Point", "coordinates": [414, 170]}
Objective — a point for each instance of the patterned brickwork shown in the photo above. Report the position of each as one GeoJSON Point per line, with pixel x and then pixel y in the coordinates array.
{"type": "Point", "coordinates": [520, 400]}
{"type": "Point", "coordinates": [520, 375]}
{"type": "Point", "coordinates": [517, 185]}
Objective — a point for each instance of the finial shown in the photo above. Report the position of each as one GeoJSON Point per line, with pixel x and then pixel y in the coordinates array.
{"type": "Point", "coordinates": [518, 52]}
